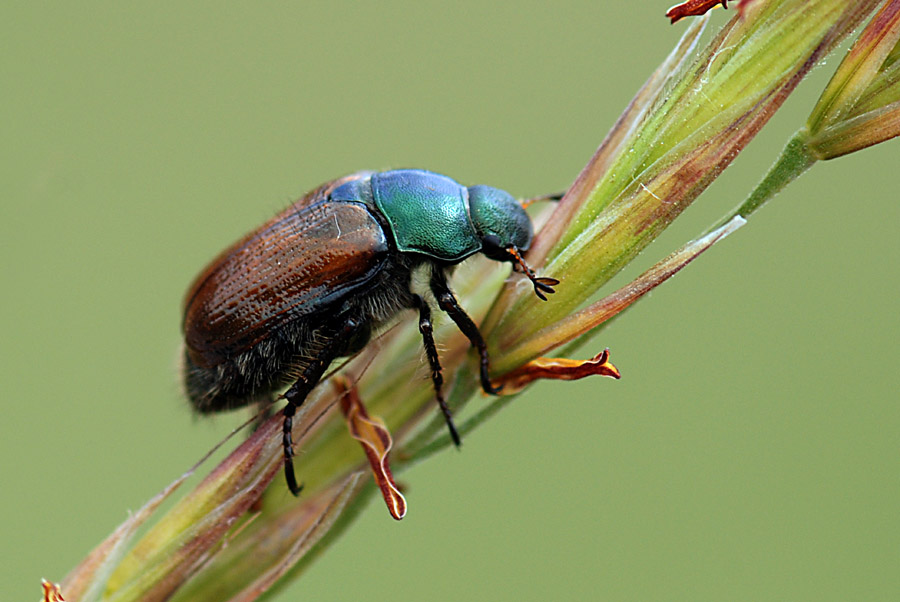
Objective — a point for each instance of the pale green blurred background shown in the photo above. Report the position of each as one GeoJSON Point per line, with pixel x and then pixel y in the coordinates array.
{"type": "Point", "coordinates": [749, 453]}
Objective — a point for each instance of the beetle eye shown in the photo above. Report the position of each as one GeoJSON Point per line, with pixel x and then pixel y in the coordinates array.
{"type": "Point", "coordinates": [493, 248]}
{"type": "Point", "coordinates": [492, 241]}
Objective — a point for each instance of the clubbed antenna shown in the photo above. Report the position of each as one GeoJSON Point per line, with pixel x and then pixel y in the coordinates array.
{"type": "Point", "coordinates": [541, 284]}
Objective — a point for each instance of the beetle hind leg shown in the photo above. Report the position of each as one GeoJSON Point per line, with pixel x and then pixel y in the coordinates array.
{"type": "Point", "coordinates": [437, 379]}
{"type": "Point", "coordinates": [288, 444]}
{"type": "Point", "coordinates": [337, 342]}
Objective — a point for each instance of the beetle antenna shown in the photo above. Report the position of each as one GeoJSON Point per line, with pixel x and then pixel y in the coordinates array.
{"type": "Point", "coordinates": [554, 197]}
{"type": "Point", "coordinates": [541, 284]}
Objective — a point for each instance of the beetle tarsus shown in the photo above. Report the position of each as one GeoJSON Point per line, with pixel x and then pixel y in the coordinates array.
{"type": "Point", "coordinates": [287, 428]}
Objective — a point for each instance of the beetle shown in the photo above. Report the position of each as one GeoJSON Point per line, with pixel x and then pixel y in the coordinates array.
{"type": "Point", "coordinates": [314, 282]}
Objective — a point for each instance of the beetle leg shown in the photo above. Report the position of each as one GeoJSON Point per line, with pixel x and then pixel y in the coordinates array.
{"type": "Point", "coordinates": [437, 379]}
{"type": "Point", "coordinates": [310, 375]}
{"type": "Point", "coordinates": [448, 303]}
{"type": "Point", "coordinates": [553, 197]}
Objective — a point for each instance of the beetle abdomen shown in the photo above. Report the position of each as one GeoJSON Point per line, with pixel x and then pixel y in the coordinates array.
{"type": "Point", "coordinates": [249, 375]}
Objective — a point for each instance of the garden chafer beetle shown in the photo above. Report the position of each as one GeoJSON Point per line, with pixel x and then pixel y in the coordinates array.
{"type": "Point", "coordinates": [313, 283]}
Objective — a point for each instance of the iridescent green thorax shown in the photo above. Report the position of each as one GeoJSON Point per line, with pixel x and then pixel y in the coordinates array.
{"type": "Point", "coordinates": [427, 213]}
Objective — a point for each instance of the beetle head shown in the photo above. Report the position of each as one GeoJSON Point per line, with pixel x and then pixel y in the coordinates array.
{"type": "Point", "coordinates": [500, 221]}
{"type": "Point", "coordinates": [505, 231]}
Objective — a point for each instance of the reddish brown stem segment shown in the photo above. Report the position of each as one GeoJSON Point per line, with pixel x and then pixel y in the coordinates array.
{"type": "Point", "coordinates": [693, 8]}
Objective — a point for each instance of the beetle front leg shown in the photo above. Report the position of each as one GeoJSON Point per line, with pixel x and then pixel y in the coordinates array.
{"type": "Point", "coordinates": [309, 377]}
{"type": "Point", "coordinates": [448, 303]}
{"type": "Point", "coordinates": [437, 379]}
